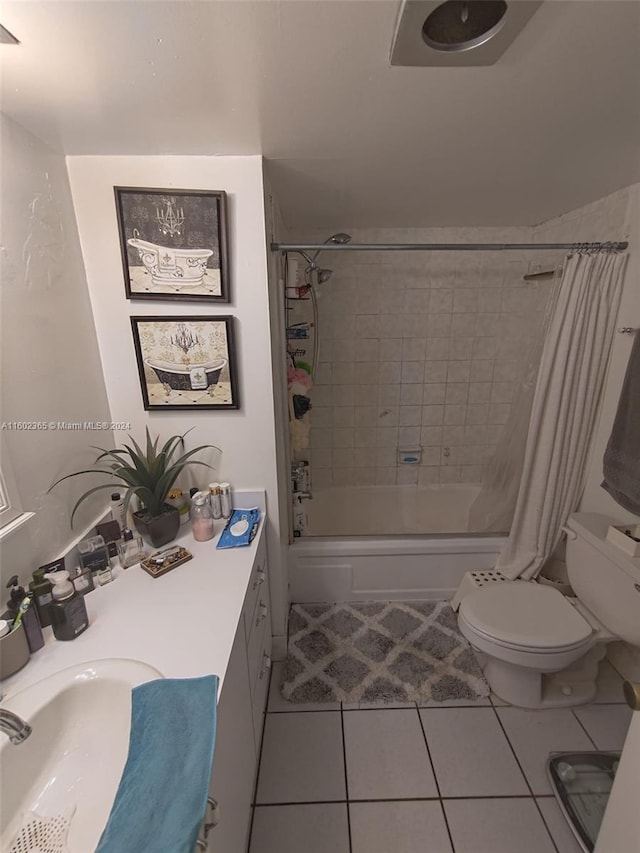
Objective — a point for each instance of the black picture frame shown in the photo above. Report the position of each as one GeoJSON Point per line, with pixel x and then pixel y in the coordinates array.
{"type": "Point", "coordinates": [179, 362]}
{"type": "Point", "coordinates": [173, 244]}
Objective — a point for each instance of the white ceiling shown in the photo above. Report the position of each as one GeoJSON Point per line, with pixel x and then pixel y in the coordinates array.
{"type": "Point", "coordinates": [307, 83]}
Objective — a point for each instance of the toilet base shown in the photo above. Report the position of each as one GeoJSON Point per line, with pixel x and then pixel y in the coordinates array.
{"type": "Point", "coordinates": [527, 688]}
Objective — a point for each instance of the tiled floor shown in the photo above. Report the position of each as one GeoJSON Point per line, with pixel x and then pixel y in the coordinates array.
{"type": "Point", "coordinates": [431, 779]}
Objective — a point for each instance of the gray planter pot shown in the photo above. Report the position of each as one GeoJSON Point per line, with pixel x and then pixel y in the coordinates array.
{"type": "Point", "coordinates": [159, 529]}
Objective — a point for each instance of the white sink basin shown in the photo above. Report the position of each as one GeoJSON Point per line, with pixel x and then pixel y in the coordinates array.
{"type": "Point", "coordinates": [81, 719]}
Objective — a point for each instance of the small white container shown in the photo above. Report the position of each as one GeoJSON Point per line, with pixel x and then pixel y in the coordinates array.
{"type": "Point", "coordinates": [626, 537]}
{"type": "Point", "coordinates": [226, 500]}
{"type": "Point", "coordinates": [214, 500]}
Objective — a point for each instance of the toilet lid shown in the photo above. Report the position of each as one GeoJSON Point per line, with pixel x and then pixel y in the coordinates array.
{"type": "Point", "coordinates": [521, 613]}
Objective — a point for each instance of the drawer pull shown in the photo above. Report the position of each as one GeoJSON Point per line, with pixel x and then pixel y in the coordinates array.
{"type": "Point", "coordinates": [214, 817]}
{"type": "Point", "coordinates": [260, 578]}
{"type": "Point", "coordinates": [266, 665]}
{"type": "Point", "coordinates": [263, 613]}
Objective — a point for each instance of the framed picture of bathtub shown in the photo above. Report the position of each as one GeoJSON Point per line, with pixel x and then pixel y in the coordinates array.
{"type": "Point", "coordinates": [186, 362]}
{"type": "Point", "coordinates": [173, 244]}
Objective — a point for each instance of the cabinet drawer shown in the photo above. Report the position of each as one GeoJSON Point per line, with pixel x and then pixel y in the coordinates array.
{"type": "Point", "coordinates": [257, 584]}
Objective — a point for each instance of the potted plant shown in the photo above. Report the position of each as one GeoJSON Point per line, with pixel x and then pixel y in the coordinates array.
{"type": "Point", "coordinates": [149, 475]}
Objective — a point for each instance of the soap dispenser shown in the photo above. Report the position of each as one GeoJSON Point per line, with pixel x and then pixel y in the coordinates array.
{"type": "Point", "coordinates": [68, 611]}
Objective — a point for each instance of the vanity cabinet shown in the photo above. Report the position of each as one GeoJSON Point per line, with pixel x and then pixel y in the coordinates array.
{"type": "Point", "coordinates": [240, 717]}
{"type": "Point", "coordinates": [227, 631]}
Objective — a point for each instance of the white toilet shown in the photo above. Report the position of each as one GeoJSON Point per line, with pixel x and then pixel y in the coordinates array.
{"type": "Point", "coordinates": [539, 648]}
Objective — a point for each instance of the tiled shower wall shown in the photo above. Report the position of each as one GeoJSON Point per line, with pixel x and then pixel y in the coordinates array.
{"type": "Point", "coordinates": [419, 350]}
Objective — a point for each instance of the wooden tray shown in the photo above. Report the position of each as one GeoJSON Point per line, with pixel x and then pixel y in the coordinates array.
{"type": "Point", "coordinates": [157, 569]}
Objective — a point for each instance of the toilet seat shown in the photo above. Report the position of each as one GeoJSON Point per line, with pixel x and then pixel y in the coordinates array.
{"type": "Point", "coordinates": [522, 615]}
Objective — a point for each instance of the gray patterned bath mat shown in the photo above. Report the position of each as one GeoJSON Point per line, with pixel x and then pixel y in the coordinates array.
{"type": "Point", "coordinates": [377, 651]}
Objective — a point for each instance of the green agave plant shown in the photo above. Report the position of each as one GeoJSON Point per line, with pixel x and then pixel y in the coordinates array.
{"type": "Point", "coordinates": [148, 474]}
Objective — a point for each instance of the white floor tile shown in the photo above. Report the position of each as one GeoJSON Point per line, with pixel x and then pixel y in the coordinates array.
{"type": "Point", "coordinates": [386, 756]}
{"type": "Point", "coordinates": [302, 758]}
{"type": "Point", "coordinates": [277, 703]}
{"type": "Point", "coordinates": [607, 725]}
{"type": "Point", "coordinates": [401, 827]}
{"type": "Point", "coordinates": [535, 734]}
{"type": "Point", "coordinates": [558, 827]}
{"type": "Point", "coordinates": [300, 829]}
{"type": "Point", "coordinates": [470, 753]}
{"type": "Point", "coordinates": [497, 826]}
{"type": "Point", "coordinates": [609, 684]}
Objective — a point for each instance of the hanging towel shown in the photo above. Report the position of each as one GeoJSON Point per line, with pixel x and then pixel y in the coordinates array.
{"type": "Point", "coordinates": [621, 463]}
{"type": "Point", "coordinates": [162, 797]}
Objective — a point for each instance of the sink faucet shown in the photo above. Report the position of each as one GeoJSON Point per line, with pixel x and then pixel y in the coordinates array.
{"type": "Point", "coordinates": [13, 726]}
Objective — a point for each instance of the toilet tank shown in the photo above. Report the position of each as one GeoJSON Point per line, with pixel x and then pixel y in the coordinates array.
{"type": "Point", "coordinates": [604, 577]}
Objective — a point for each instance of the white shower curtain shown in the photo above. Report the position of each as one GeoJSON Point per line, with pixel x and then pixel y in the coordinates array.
{"type": "Point", "coordinates": [565, 405]}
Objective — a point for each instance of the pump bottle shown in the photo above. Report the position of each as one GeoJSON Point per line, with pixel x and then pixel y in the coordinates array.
{"type": "Point", "coordinates": [68, 611]}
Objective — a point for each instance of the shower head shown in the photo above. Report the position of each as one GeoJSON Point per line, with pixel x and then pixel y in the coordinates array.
{"type": "Point", "coordinates": [341, 238]}
{"type": "Point", "coordinates": [323, 275]}
{"type": "Point", "coordinates": [337, 239]}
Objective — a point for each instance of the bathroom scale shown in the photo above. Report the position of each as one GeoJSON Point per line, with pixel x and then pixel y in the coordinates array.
{"type": "Point", "coordinates": [582, 782]}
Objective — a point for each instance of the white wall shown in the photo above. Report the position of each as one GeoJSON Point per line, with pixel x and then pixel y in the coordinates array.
{"type": "Point", "coordinates": [246, 436]}
{"type": "Point", "coordinates": [50, 364]}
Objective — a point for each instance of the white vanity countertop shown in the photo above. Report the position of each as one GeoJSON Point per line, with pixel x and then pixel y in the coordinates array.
{"type": "Point", "coordinates": [183, 623]}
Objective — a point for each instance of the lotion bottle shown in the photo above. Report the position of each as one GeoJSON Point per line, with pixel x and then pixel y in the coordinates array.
{"type": "Point", "coordinates": [201, 518]}
{"type": "Point", "coordinates": [68, 611]}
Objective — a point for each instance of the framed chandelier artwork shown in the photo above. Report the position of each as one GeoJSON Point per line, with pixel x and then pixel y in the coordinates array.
{"type": "Point", "coordinates": [173, 244]}
{"type": "Point", "coordinates": [186, 362]}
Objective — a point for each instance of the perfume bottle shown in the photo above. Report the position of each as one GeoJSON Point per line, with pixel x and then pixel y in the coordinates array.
{"type": "Point", "coordinates": [130, 549]}
{"type": "Point", "coordinates": [93, 553]}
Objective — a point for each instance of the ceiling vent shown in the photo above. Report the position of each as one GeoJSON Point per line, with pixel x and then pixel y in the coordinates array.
{"type": "Point", "coordinates": [458, 32]}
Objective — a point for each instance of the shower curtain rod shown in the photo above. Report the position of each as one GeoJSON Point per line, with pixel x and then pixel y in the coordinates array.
{"type": "Point", "coordinates": [442, 247]}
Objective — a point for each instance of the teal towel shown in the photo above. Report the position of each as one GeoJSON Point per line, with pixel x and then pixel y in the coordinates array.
{"type": "Point", "coordinates": [162, 797]}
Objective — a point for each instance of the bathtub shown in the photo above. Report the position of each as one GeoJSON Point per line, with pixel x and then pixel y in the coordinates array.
{"type": "Point", "coordinates": [385, 551]}
{"type": "Point", "coordinates": [187, 378]}
{"type": "Point", "coordinates": [181, 267]}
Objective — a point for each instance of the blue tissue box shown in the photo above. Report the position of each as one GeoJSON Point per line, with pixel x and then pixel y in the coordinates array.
{"type": "Point", "coordinates": [240, 529]}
